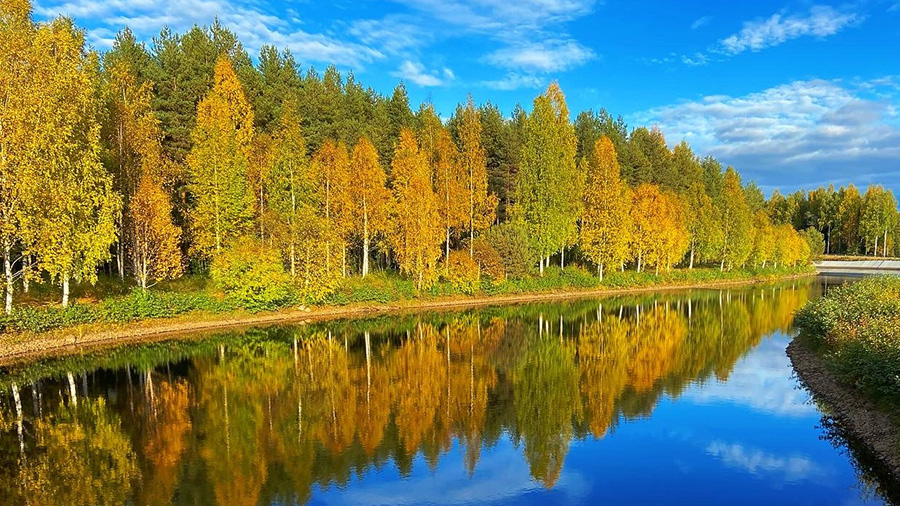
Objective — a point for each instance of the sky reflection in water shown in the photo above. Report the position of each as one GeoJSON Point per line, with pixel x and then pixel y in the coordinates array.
{"type": "Point", "coordinates": [668, 399]}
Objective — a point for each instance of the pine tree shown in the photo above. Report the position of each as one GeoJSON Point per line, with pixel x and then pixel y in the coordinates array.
{"type": "Point", "coordinates": [606, 222]}
{"type": "Point", "coordinates": [218, 166]}
{"type": "Point", "coordinates": [415, 231]}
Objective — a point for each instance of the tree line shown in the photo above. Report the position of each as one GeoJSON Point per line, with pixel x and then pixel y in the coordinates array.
{"type": "Point", "coordinates": [153, 161]}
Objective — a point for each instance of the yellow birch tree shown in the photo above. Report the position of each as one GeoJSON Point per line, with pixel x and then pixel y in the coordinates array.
{"type": "Point", "coordinates": [482, 206]}
{"type": "Point", "coordinates": [18, 114]}
{"type": "Point", "coordinates": [606, 221]}
{"type": "Point", "coordinates": [415, 231]}
{"type": "Point", "coordinates": [369, 196]}
{"type": "Point", "coordinates": [152, 237]}
{"type": "Point", "coordinates": [449, 183]}
{"type": "Point", "coordinates": [331, 177]}
{"type": "Point", "coordinates": [76, 207]}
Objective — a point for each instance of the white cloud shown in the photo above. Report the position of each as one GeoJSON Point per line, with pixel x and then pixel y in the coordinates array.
{"type": "Point", "coordinates": [800, 133]}
{"type": "Point", "coordinates": [393, 34]}
{"type": "Point", "coordinates": [253, 27]}
{"type": "Point", "coordinates": [502, 15]}
{"type": "Point", "coordinates": [417, 73]}
{"type": "Point", "coordinates": [698, 59]}
{"type": "Point", "coordinates": [502, 476]}
{"type": "Point", "coordinates": [531, 33]}
{"type": "Point", "coordinates": [542, 56]}
{"type": "Point", "coordinates": [701, 22]}
{"type": "Point", "coordinates": [821, 21]}
{"type": "Point", "coordinates": [514, 82]}
{"type": "Point", "coordinates": [761, 381]}
{"type": "Point", "coordinates": [792, 468]}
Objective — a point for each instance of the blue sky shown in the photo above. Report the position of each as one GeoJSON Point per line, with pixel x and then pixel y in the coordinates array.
{"type": "Point", "coordinates": [792, 93]}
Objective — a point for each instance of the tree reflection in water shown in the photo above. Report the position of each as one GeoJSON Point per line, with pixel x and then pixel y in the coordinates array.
{"type": "Point", "coordinates": [262, 416]}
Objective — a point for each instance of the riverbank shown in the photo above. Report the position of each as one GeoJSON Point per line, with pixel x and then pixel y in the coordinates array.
{"type": "Point", "coordinates": [848, 354]}
{"type": "Point", "coordinates": [875, 428]}
{"type": "Point", "coordinates": [26, 346]}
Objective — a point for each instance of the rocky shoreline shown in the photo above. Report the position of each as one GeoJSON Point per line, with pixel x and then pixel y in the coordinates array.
{"type": "Point", "coordinates": [871, 425]}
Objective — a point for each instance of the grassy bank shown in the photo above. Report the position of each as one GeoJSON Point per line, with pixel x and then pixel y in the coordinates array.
{"type": "Point", "coordinates": [198, 298]}
{"type": "Point", "coordinates": [856, 332]}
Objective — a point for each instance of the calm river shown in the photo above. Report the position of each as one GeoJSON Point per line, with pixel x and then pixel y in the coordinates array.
{"type": "Point", "coordinates": [676, 398]}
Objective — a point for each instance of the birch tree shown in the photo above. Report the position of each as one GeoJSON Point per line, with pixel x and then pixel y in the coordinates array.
{"type": "Point", "coordinates": [450, 186]}
{"type": "Point", "coordinates": [735, 220]}
{"type": "Point", "coordinates": [606, 222]}
{"type": "Point", "coordinates": [415, 231]}
{"type": "Point", "coordinates": [154, 241]}
{"type": "Point", "coordinates": [218, 165]}
{"type": "Point", "coordinates": [291, 199]}
{"type": "Point", "coordinates": [548, 189]}
{"type": "Point", "coordinates": [76, 207]}
{"type": "Point", "coordinates": [482, 206]}
{"type": "Point", "coordinates": [18, 116]}
{"type": "Point", "coordinates": [331, 177]}
{"type": "Point", "coordinates": [369, 195]}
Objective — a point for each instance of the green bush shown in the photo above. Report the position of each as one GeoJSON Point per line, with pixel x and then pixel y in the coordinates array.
{"type": "Point", "coordinates": [513, 244]}
{"type": "Point", "coordinates": [857, 329]}
{"type": "Point", "coordinates": [253, 277]}
{"type": "Point", "coordinates": [49, 318]}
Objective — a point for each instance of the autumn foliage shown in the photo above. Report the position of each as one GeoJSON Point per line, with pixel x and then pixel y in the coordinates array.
{"type": "Point", "coordinates": [158, 162]}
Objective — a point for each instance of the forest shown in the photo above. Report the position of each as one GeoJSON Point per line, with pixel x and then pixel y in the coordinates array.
{"type": "Point", "coordinates": [186, 156]}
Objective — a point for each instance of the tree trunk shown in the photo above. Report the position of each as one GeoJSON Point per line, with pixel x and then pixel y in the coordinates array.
{"type": "Point", "coordinates": [293, 260]}
{"type": "Point", "coordinates": [876, 247]}
{"type": "Point", "coordinates": [722, 265]}
{"type": "Point", "coordinates": [541, 265]}
{"type": "Point", "coordinates": [7, 269]}
{"type": "Point", "coordinates": [691, 266]}
{"type": "Point", "coordinates": [447, 250]}
{"type": "Point", "coordinates": [73, 397]}
{"type": "Point", "coordinates": [120, 259]}
{"type": "Point", "coordinates": [26, 279]}
{"type": "Point", "coordinates": [65, 288]}
{"type": "Point", "coordinates": [884, 243]}
{"type": "Point", "coordinates": [344, 260]}
{"type": "Point", "coordinates": [640, 261]}
{"type": "Point", "coordinates": [365, 258]}
{"type": "Point", "coordinates": [600, 271]}
{"type": "Point", "coordinates": [562, 257]}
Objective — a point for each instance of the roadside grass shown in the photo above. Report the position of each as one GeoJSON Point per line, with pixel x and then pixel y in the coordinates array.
{"type": "Point", "coordinates": [113, 301]}
{"type": "Point", "coordinates": [856, 330]}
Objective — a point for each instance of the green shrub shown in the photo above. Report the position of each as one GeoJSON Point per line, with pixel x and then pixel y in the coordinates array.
{"type": "Point", "coordinates": [50, 318]}
{"type": "Point", "coordinates": [513, 244]}
{"type": "Point", "coordinates": [857, 329]}
{"type": "Point", "coordinates": [253, 277]}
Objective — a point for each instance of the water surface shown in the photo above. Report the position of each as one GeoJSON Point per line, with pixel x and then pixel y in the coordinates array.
{"type": "Point", "coordinates": [676, 398]}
